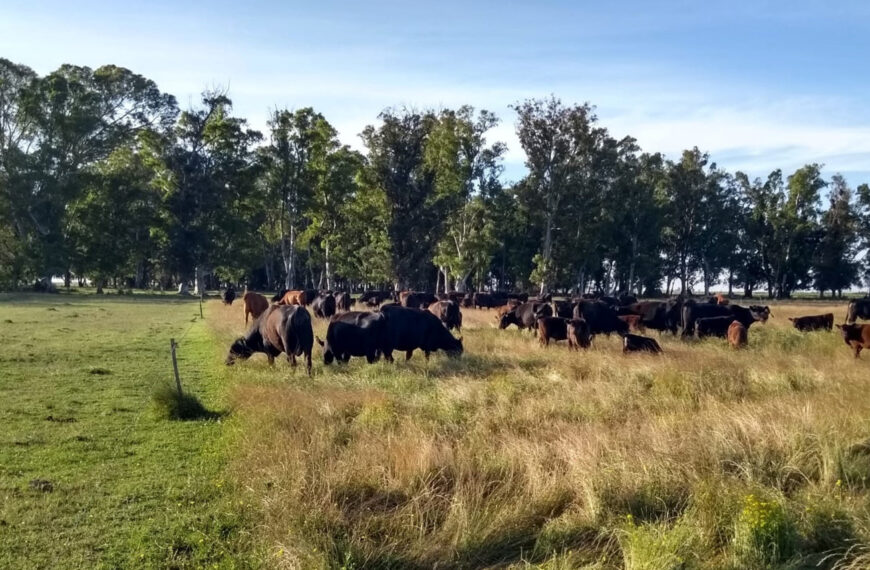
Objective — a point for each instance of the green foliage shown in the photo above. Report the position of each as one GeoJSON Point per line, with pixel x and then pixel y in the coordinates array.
{"type": "Point", "coordinates": [764, 533]}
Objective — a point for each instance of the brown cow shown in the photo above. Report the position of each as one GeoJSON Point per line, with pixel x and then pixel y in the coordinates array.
{"type": "Point", "coordinates": [633, 321]}
{"type": "Point", "coordinates": [737, 335]}
{"type": "Point", "coordinates": [578, 334]}
{"type": "Point", "coordinates": [813, 322]}
{"type": "Point", "coordinates": [255, 304]}
{"type": "Point", "coordinates": [552, 328]}
{"type": "Point", "coordinates": [295, 297]}
{"type": "Point", "coordinates": [856, 336]}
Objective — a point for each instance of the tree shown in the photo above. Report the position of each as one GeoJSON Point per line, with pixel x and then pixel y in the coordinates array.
{"type": "Point", "coordinates": [557, 142]}
{"type": "Point", "coordinates": [466, 182]}
{"type": "Point", "coordinates": [834, 265]}
{"type": "Point", "coordinates": [795, 227]}
{"type": "Point", "coordinates": [396, 169]}
{"type": "Point", "coordinates": [210, 175]}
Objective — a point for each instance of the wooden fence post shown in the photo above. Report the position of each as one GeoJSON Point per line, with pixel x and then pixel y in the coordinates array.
{"type": "Point", "coordinates": [172, 346]}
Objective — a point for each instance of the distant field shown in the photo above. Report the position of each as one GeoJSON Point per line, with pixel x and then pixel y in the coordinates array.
{"type": "Point", "coordinates": [514, 456]}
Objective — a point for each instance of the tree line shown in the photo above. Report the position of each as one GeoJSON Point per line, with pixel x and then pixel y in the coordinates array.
{"type": "Point", "coordinates": [103, 177]}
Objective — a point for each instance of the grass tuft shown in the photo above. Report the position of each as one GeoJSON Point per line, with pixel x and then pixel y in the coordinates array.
{"type": "Point", "coordinates": [168, 404]}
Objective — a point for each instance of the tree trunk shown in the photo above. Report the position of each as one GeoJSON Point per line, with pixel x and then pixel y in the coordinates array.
{"type": "Point", "coordinates": [99, 286]}
{"type": "Point", "coordinates": [327, 268]}
{"type": "Point", "coordinates": [199, 281]}
{"type": "Point", "coordinates": [288, 255]}
{"type": "Point", "coordinates": [67, 279]}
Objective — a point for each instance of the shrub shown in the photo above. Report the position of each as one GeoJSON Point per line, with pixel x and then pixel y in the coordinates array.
{"type": "Point", "coordinates": [171, 405]}
{"type": "Point", "coordinates": [764, 534]}
{"type": "Point", "coordinates": [660, 547]}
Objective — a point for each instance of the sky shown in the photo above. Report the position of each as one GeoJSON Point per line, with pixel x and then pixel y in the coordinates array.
{"type": "Point", "coordinates": [757, 84]}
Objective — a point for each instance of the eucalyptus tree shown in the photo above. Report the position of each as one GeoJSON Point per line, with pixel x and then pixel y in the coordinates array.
{"type": "Point", "coordinates": [834, 264]}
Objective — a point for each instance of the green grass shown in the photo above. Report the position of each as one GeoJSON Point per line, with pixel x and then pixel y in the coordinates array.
{"type": "Point", "coordinates": [128, 488]}
{"type": "Point", "coordinates": [513, 456]}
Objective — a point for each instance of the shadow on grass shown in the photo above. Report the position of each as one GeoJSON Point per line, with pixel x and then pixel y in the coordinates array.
{"type": "Point", "coordinates": [169, 404]}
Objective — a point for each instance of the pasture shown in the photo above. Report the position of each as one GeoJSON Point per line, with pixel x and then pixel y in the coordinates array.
{"type": "Point", "coordinates": [513, 456]}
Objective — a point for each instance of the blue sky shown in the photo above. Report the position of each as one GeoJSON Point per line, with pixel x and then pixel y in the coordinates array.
{"type": "Point", "coordinates": [760, 85]}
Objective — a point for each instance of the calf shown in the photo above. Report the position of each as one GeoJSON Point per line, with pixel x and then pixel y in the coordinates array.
{"type": "Point", "coordinates": [856, 336]}
{"type": "Point", "coordinates": [737, 337]}
{"type": "Point", "coordinates": [280, 329]}
{"type": "Point", "coordinates": [343, 302]}
{"type": "Point", "coordinates": [255, 304]}
{"type": "Point", "coordinates": [578, 334]}
{"type": "Point", "coordinates": [813, 322]}
{"type": "Point", "coordinates": [295, 297]}
{"type": "Point", "coordinates": [637, 343]}
{"type": "Point", "coordinates": [324, 306]}
{"type": "Point", "coordinates": [449, 314]}
{"type": "Point", "coordinates": [634, 322]}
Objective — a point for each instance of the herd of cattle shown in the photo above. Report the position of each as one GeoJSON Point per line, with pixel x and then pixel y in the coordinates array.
{"type": "Point", "coordinates": [409, 320]}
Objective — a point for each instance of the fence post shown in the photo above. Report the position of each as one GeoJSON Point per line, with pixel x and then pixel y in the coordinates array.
{"type": "Point", "coordinates": [172, 346]}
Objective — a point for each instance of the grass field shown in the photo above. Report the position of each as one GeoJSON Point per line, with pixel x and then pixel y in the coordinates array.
{"type": "Point", "coordinates": [513, 456]}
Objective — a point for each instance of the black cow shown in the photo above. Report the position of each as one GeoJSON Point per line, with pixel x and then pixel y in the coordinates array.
{"type": "Point", "coordinates": [282, 328]}
{"type": "Point", "coordinates": [416, 299]}
{"type": "Point", "coordinates": [310, 296]}
{"type": "Point", "coordinates": [525, 316]}
{"type": "Point", "coordinates": [563, 309]}
{"type": "Point", "coordinates": [448, 313]}
{"type": "Point", "coordinates": [813, 322]}
{"type": "Point", "coordinates": [354, 333]}
{"type": "Point", "coordinates": [658, 315]}
{"type": "Point", "coordinates": [601, 318]}
{"type": "Point", "coordinates": [374, 298]}
{"type": "Point", "coordinates": [713, 326]}
{"type": "Point", "coordinates": [483, 301]}
{"type": "Point", "coordinates": [858, 309]}
{"type": "Point", "coordinates": [626, 299]}
{"type": "Point", "coordinates": [229, 295]}
{"type": "Point", "coordinates": [409, 329]}
{"type": "Point", "coordinates": [637, 343]}
{"type": "Point", "coordinates": [692, 311]}
{"type": "Point", "coordinates": [521, 297]}
{"type": "Point", "coordinates": [552, 328]}
{"type": "Point", "coordinates": [343, 302]}
{"type": "Point", "coordinates": [279, 295]}
{"type": "Point", "coordinates": [324, 306]}
{"type": "Point", "coordinates": [467, 301]}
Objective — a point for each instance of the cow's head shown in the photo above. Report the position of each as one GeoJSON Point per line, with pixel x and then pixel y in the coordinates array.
{"type": "Point", "coordinates": [760, 312]}
{"type": "Point", "coordinates": [850, 332]}
{"type": "Point", "coordinates": [328, 355]}
{"type": "Point", "coordinates": [239, 349]}
{"type": "Point", "coordinates": [506, 319]}
{"type": "Point", "coordinates": [455, 348]}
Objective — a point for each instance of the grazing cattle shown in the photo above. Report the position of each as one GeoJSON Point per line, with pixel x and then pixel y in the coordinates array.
{"type": "Point", "coordinates": [563, 309]}
{"type": "Point", "coordinates": [279, 295]}
{"type": "Point", "coordinates": [637, 343]}
{"type": "Point", "coordinates": [255, 304]}
{"type": "Point", "coordinates": [324, 306]}
{"type": "Point", "coordinates": [548, 298]}
{"type": "Point", "coordinates": [344, 302]}
{"type": "Point", "coordinates": [525, 316]}
{"type": "Point", "coordinates": [519, 297]}
{"type": "Point", "coordinates": [483, 301]}
{"type": "Point", "coordinates": [310, 296]}
{"type": "Point", "coordinates": [626, 299]}
{"type": "Point", "coordinates": [601, 318]}
{"type": "Point", "coordinates": [858, 309]}
{"type": "Point", "coordinates": [737, 335]}
{"type": "Point", "coordinates": [693, 311]}
{"type": "Point", "coordinates": [280, 329]}
{"type": "Point", "coordinates": [354, 333]}
{"type": "Point", "coordinates": [449, 314]}
{"type": "Point", "coordinates": [375, 298]}
{"type": "Point", "coordinates": [633, 321]}
{"type": "Point", "coordinates": [229, 295]}
{"type": "Point", "coordinates": [578, 334]}
{"type": "Point", "coordinates": [552, 328]}
{"type": "Point", "coordinates": [467, 301]}
{"type": "Point", "coordinates": [294, 297]}
{"type": "Point", "coordinates": [659, 315]}
{"type": "Point", "coordinates": [719, 299]}
{"type": "Point", "coordinates": [416, 300]}
{"type": "Point", "coordinates": [409, 329]}
{"type": "Point", "coordinates": [609, 301]}
{"type": "Point", "coordinates": [856, 336]}
{"type": "Point", "coordinates": [813, 322]}
{"type": "Point", "coordinates": [713, 326]}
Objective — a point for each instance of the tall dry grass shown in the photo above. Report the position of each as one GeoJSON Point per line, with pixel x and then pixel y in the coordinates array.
{"type": "Point", "coordinates": [517, 455]}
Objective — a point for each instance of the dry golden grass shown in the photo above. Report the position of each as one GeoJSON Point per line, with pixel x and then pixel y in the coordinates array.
{"type": "Point", "coordinates": [517, 455]}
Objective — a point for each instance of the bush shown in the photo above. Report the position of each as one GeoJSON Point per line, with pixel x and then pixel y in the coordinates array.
{"type": "Point", "coordinates": [171, 405]}
{"type": "Point", "coordinates": [764, 534]}
{"type": "Point", "coordinates": [660, 546]}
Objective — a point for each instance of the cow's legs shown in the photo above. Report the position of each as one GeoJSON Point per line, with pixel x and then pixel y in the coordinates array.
{"type": "Point", "coordinates": [408, 354]}
{"type": "Point", "coordinates": [308, 362]}
{"type": "Point", "coordinates": [292, 359]}
{"type": "Point", "coordinates": [271, 359]}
